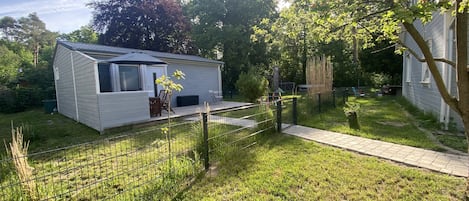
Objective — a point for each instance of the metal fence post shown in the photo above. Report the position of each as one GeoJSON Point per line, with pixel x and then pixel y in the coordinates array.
{"type": "Point", "coordinates": [205, 142]}
{"type": "Point", "coordinates": [295, 111]}
{"type": "Point", "coordinates": [319, 102]}
{"type": "Point", "coordinates": [279, 115]}
{"type": "Point", "coordinates": [333, 98]}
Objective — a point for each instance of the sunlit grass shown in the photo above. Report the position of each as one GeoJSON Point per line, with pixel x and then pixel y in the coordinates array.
{"type": "Point", "coordinates": [133, 164]}
{"type": "Point", "coordinates": [287, 168]}
{"type": "Point", "coordinates": [380, 118]}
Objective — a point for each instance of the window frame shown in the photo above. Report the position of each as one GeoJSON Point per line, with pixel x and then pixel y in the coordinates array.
{"type": "Point", "coordinates": [139, 77]}
{"type": "Point", "coordinates": [425, 77]}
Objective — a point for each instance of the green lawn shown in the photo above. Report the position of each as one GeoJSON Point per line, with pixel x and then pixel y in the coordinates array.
{"type": "Point", "coordinates": [46, 131]}
{"type": "Point", "coordinates": [278, 167]}
{"type": "Point", "coordinates": [287, 168]}
{"type": "Point", "coordinates": [381, 118]}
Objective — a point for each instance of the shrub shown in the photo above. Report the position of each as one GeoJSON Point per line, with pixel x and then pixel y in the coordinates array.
{"type": "Point", "coordinates": [20, 98]}
{"type": "Point", "coordinates": [379, 79]}
{"type": "Point", "coordinates": [8, 102]}
{"type": "Point", "coordinates": [251, 85]}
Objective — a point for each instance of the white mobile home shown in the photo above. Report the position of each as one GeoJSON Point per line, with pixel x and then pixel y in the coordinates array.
{"type": "Point", "coordinates": [104, 87]}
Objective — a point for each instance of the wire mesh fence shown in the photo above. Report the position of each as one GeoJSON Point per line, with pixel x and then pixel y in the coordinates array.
{"type": "Point", "coordinates": [134, 165]}
{"type": "Point", "coordinates": [314, 104]}
{"type": "Point", "coordinates": [234, 130]}
{"type": "Point", "coordinates": [146, 164]}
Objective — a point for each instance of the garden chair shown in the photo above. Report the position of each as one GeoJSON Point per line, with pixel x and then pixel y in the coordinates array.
{"type": "Point", "coordinates": [165, 97]}
{"type": "Point", "coordinates": [358, 93]}
{"type": "Point", "coordinates": [216, 96]}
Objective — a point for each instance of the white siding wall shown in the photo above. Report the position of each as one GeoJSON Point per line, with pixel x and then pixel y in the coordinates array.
{"type": "Point", "coordinates": [85, 86]}
{"type": "Point", "coordinates": [106, 110]}
{"type": "Point", "coordinates": [426, 96]}
{"type": "Point", "coordinates": [123, 108]}
{"type": "Point", "coordinates": [86, 90]}
{"type": "Point", "coordinates": [200, 78]}
{"type": "Point", "coordinates": [64, 85]}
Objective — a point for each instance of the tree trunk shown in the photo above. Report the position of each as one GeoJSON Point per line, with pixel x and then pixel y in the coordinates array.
{"type": "Point", "coordinates": [465, 119]}
{"type": "Point", "coordinates": [36, 55]}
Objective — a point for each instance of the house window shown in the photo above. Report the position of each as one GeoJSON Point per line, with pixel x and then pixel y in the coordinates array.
{"type": "Point", "coordinates": [129, 78]}
{"type": "Point", "coordinates": [104, 71]}
{"type": "Point", "coordinates": [425, 78]}
{"type": "Point", "coordinates": [56, 72]}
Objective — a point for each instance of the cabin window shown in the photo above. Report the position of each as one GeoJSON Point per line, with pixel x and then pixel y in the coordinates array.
{"type": "Point", "coordinates": [104, 71]}
{"type": "Point", "coordinates": [129, 77]}
{"type": "Point", "coordinates": [56, 73]}
{"type": "Point", "coordinates": [425, 78]}
{"type": "Point", "coordinates": [122, 77]}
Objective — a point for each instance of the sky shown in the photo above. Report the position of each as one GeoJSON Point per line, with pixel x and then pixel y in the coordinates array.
{"type": "Point", "coordinates": [62, 16]}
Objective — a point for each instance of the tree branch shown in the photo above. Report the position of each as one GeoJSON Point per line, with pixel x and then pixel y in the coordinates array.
{"type": "Point", "coordinates": [360, 19]}
{"type": "Point", "coordinates": [443, 60]}
{"type": "Point", "coordinates": [451, 101]}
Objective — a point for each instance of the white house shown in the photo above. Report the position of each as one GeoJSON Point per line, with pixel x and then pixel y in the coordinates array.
{"type": "Point", "coordinates": [104, 87]}
{"type": "Point", "coordinates": [418, 85]}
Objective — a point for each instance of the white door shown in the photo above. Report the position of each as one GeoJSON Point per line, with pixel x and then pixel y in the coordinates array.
{"type": "Point", "coordinates": [151, 74]}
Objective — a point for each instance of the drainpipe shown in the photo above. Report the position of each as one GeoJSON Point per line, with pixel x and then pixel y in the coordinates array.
{"type": "Point", "coordinates": [74, 87]}
{"type": "Point", "coordinates": [219, 79]}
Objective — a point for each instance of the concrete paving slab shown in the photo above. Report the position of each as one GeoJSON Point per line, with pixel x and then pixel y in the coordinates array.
{"type": "Point", "coordinates": [456, 165]}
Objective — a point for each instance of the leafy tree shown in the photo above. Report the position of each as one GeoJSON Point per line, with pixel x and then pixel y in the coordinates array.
{"type": "Point", "coordinates": [32, 32]}
{"type": "Point", "coordinates": [223, 28]}
{"type": "Point", "coordinates": [85, 34]}
{"type": "Point", "coordinates": [145, 24]}
{"type": "Point", "coordinates": [9, 65]}
{"type": "Point", "coordinates": [365, 22]}
{"type": "Point", "coordinates": [26, 74]}
{"type": "Point", "coordinates": [381, 60]}
{"type": "Point", "coordinates": [345, 70]}
{"type": "Point", "coordinates": [8, 26]}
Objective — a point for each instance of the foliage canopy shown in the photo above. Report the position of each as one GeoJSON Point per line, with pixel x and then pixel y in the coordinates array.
{"type": "Point", "coordinates": [144, 24]}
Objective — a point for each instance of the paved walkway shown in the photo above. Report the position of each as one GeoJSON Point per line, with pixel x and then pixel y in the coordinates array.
{"type": "Point", "coordinates": [452, 164]}
{"type": "Point", "coordinates": [442, 162]}
{"type": "Point", "coordinates": [196, 109]}
{"type": "Point", "coordinates": [227, 120]}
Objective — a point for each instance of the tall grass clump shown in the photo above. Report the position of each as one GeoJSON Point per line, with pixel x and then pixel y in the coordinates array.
{"type": "Point", "coordinates": [18, 149]}
{"type": "Point", "coordinates": [351, 112]}
{"type": "Point", "coordinates": [216, 144]}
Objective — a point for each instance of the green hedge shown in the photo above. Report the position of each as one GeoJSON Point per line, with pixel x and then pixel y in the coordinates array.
{"type": "Point", "coordinates": [20, 98]}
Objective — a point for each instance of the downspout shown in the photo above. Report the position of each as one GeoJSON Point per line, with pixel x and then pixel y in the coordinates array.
{"type": "Point", "coordinates": [56, 77]}
{"type": "Point", "coordinates": [444, 73]}
{"type": "Point", "coordinates": [74, 87]}
{"type": "Point", "coordinates": [219, 79]}
{"type": "Point", "coordinates": [449, 76]}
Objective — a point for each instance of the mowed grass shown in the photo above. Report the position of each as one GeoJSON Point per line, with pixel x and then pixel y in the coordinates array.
{"type": "Point", "coordinates": [380, 118]}
{"type": "Point", "coordinates": [127, 164]}
{"type": "Point", "coordinates": [46, 131]}
{"type": "Point", "coordinates": [287, 168]}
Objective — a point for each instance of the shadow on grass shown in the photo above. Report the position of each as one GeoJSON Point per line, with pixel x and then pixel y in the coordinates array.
{"type": "Point", "coordinates": [236, 161]}
{"type": "Point", "coordinates": [381, 118]}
